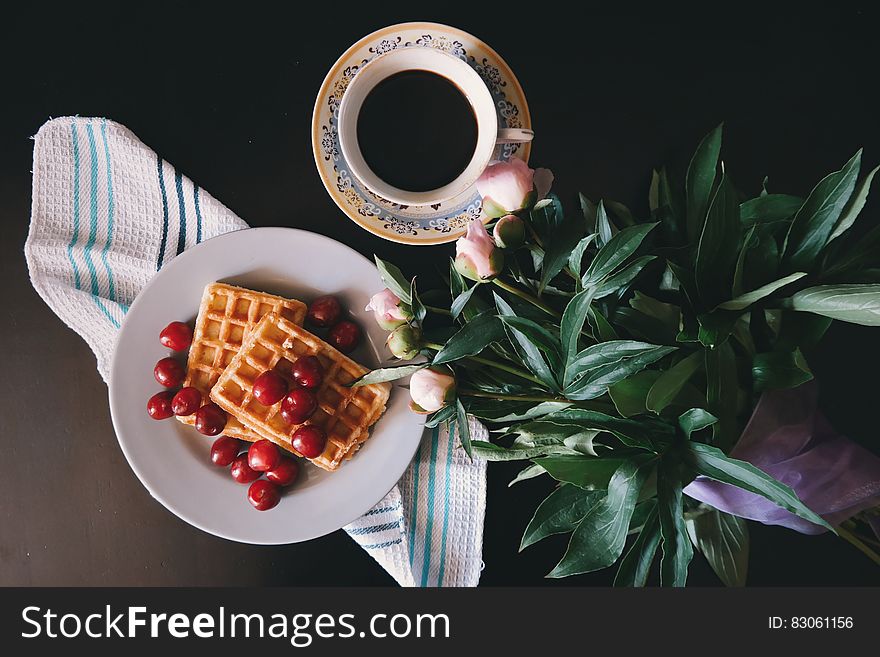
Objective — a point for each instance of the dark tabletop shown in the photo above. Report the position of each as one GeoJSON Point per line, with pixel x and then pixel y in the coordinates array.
{"type": "Point", "coordinates": [226, 95]}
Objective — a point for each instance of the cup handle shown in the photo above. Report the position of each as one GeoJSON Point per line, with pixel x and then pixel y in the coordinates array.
{"type": "Point", "coordinates": [514, 135]}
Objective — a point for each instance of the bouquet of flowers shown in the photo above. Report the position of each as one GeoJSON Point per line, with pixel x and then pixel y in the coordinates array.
{"type": "Point", "coordinates": [653, 367]}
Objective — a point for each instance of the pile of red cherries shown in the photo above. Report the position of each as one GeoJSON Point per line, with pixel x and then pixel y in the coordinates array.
{"type": "Point", "coordinates": [298, 403]}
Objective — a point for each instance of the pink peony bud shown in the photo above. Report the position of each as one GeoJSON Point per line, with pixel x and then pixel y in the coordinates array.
{"type": "Point", "coordinates": [506, 187]}
{"type": "Point", "coordinates": [476, 257]}
{"type": "Point", "coordinates": [509, 232]}
{"type": "Point", "coordinates": [431, 389]}
{"type": "Point", "coordinates": [389, 311]}
{"type": "Point", "coordinates": [405, 342]}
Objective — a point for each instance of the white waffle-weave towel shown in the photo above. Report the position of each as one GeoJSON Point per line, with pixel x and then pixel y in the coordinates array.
{"type": "Point", "coordinates": [107, 214]}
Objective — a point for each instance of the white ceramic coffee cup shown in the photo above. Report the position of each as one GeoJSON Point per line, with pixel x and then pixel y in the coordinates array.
{"type": "Point", "coordinates": [471, 86]}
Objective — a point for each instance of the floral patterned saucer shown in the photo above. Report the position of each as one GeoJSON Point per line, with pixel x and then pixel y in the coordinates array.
{"type": "Point", "coordinates": [418, 225]}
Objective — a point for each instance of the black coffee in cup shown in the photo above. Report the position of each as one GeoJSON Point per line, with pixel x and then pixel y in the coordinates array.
{"type": "Point", "coordinates": [417, 131]}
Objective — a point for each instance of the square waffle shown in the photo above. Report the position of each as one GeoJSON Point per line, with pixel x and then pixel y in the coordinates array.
{"type": "Point", "coordinates": [226, 314]}
{"type": "Point", "coordinates": [345, 414]}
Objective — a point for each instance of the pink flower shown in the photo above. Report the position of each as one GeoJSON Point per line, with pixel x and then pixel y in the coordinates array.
{"type": "Point", "coordinates": [507, 187]}
{"type": "Point", "coordinates": [431, 390]}
{"type": "Point", "coordinates": [476, 256]}
{"type": "Point", "coordinates": [389, 311]}
{"type": "Point", "coordinates": [509, 232]}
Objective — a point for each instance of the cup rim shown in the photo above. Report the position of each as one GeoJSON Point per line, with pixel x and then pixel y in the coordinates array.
{"type": "Point", "coordinates": [484, 113]}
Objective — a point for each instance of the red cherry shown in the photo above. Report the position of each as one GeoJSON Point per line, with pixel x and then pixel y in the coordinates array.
{"type": "Point", "coordinates": [186, 401]}
{"type": "Point", "coordinates": [263, 455]}
{"type": "Point", "coordinates": [264, 495]}
{"type": "Point", "coordinates": [345, 336]}
{"type": "Point", "coordinates": [241, 471]}
{"type": "Point", "coordinates": [169, 372]}
{"type": "Point", "coordinates": [223, 451]}
{"type": "Point", "coordinates": [324, 311]}
{"type": "Point", "coordinates": [284, 473]}
{"type": "Point", "coordinates": [159, 405]}
{"type": "Point", "coordinates": [176, 336]}
{"type": "Point", "coordinates": [307, 372]}
{"type": "Point", "coordinates": [210, 419]}
{"type": "Point", "coordinates": [309, 441]}
{"type": "Point", "coordinates": [299, 405]}
{"type": "Point", "coordinates": [269, 388]}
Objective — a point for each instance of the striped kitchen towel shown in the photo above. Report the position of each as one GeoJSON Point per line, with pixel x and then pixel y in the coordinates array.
{"type": "Point", "coordinates": [107, 214]}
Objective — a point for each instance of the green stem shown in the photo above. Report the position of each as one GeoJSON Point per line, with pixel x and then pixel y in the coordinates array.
{"type": "Point", "coordinates": [491, 363]}
{"type": "Point", "coordinates": [522, 294]}
{"type": "Point", "coordinates": [439, 311]}
{"type": "Point", "coordinates": [530, 398]}
{"type": "Point", "coordinates": [859, 545]}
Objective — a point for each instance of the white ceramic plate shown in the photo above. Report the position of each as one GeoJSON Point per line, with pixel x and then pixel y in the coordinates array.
{"type": "Point", "coordinates": [172, 460]}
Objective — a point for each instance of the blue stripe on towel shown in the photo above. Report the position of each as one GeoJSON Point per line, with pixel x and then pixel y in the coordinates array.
{"type": "Point", "coordinates": [375, 528]}
{"type": "Point", "coordinates": [429, 524]}
{"type": "Point", "coordinates": [198, 213]}
{"type": "Point", "coordinates": [415, 504]}
{"type": "Point", "coordinates": [164, 242]}
{"type": "Point", "coordinates": [181, 232]}
{"type": "Point", "coordinates": [384, 509]}
{"type": "Point", "coordinates": [110, 213]}
{"type": "Point", "coordinates": [76, 279]}
{"type": "Point", "coordinates": [379, 546]}
{"type": "Point", "coordinates": [448, 471]}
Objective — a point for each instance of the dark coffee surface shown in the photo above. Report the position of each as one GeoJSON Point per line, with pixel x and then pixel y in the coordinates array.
{"type": "Point", "coordinates": [417, 131]}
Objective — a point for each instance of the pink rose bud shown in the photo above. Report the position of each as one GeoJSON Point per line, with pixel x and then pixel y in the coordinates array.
{"type": "Point", "coordinates": [405, 342]}
{"type": "Point", "coordinates": [431, 389]}
{"type": "Point", "coordinates": [506, 187]}
{"type": "Point", "coordinates": [509, 232]}
{"type": "Point", "coordinates": [476, 256]}
{"type": "Point", "coordinates": [389, 311]}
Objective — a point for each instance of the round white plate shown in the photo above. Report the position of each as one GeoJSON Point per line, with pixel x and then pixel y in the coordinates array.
{"type": "Point", "coordinates": [172, 460]}
{"type": "Point", "coordinates": [418, 225]}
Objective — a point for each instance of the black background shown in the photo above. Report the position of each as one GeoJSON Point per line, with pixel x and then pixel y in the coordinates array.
{"type": "Point", "coordinates": [225, 93]}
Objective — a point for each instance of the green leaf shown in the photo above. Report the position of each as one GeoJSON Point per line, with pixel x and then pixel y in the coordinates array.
{"type": "Point", "coordinates": [768, 208]}
{"type": "Point", "coordinates": [494, 453]}
{"type": "Point", "coordinates": [717, 248]}
{"type": "Point", "coordinates": [593, 373]}
{"type": "Point", "coordinates": [559, 249]}
{"type": "Point", "coordinates": [854, 206]}
{"type": "Point", "coordinates": [636, 565]}
{"type": "Point", "coordinates": [715, 327]}
{"type": "Point", "coordinates": [699, 180]}
{"type": "Point", "coordinates": [712, 463]}
{"type": "Point", "coordinates": [665, 312]}
{"type": "Point", "coordinates": [539, 337]}
{"type": "Point", "coordinates": [529, 472]}
{"type": "Point", "coordinates": [386, 374]}
{"type": "Point", "coordinates": [525, 348]}
{"type": "Point", "coordinates": [471, 339]}
{"type": "Point", "coordinates": [576, 259]}
{"type": "Point", "coordinates": [560, 512]}
{"type": "Point", "coordinates": [641, 434]}
{"type": "Point", "coordinates": [546, 217]}
{"type": "Point", "coordinates": [418, 308]}
{"type": "Point", "coordinates": [815, 221]}
{"type": "Point", "coordinates": [602, 330]}
{"type": "Point", "coordinates": [464, 430]}
{"type": "Point", "coordinates": [615, 252]}
{"type": "Point", "coordinates": [511, 411]}
{"type": "Point", "coordinates": [654, 191]}
{"type": "Point", "coordinates": [394, 279]}
{"type": "Point", "coordinates": [677, 550]}
{"type": "Point", "coordinates": [854, 303]}
{"type": "Point", "coordinates": [619, 210]}
{"type": "Point", "coordinates": [459, 303]}
{"type": "Point", "coordinates": [599, 537]}
{"type": "Point", "coordinates": [587, 472]}
{"type": "Point", "coordinates": [571, 326]}
{"type": "Point", "coordinates": [722, 392]}
{"type": "Point", "coordinates": [745, 300]}
{"type": "Point", "coordinates": [694, 420]}
{"type": "Point", "coordinates": [605, 230]}
{"type": "Point", "coordinates": [670, 382]}
{"type": "Point", "coordinates": [444, 414]}
{"type": "Point", "coordinates": [780, 369]}
{"type": "Point", "coordinates": [623, 277]}
{"type": "Point", "coordinates": [575, 437]}
{"type": "Point", "coordinates": [629, 396]}
{"type": "Point", "coordinates": [724, 540]}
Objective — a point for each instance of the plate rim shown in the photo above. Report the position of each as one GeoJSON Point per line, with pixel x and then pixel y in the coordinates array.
{"type": "Point", "coordinates": [113, 393]}
{"type": "Point", "coordinates": [322, 93]}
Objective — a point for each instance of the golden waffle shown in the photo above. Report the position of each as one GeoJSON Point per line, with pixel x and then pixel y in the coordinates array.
{"type": "Point", "coordinates": [226, 314]}
{"type": "Point", "coordinates": [345, 414]}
